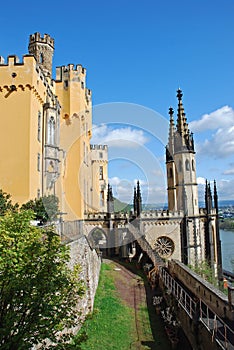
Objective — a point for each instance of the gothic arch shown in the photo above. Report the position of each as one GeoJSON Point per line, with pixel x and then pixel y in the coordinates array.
{"type": "Point", "coordinates": [98, 238]}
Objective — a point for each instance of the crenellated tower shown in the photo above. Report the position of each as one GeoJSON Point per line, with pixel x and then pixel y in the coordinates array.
{"type": "Point", "coordinates": [42, 47]}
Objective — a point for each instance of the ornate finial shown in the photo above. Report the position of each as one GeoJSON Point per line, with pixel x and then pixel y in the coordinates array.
{"type": "Point", "coordinates": [179, 94]}
{"type": "Point", "coordinates": [171, 112]}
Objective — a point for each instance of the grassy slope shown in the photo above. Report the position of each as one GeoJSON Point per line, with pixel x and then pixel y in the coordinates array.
{"type": "Point", "coordinates": [121, 206]}
{"type": "Point", "coordinates": [111, 327]}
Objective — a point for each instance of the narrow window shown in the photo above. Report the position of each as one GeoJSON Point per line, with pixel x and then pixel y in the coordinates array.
{"type": "Point", "coordinates": [187, 165]}
{"type": "Point", "coordinates": [100, 155]}
{"type": "Point", "coordinates": [41, 58]}
{"type": "Point", "coordinates": [101, 198]}
{"type": "Point", "coordinates": [101, 173]}
{"type": "Point", "coordinates": [39, 127]}
{"type": "Point", "coordinates": [51, 131]}
{"type": "Point", "coordinates": [193, 166]}
{"type": "Point", "coordinates": [66, 83]}
{"type": "Point", "coordinates": [38, 162]}
{"type": "Point", "coordinates": [82, 85]}
{"type": "Point", "coordinates": [38, 193]}
{"type": "Point", "coordinates": [171, 173]}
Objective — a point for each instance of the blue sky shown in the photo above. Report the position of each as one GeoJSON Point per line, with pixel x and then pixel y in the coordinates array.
{"type": "Point", "coordinates": [137, 54]}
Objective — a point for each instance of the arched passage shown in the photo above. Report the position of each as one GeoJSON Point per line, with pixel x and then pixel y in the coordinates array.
{"type": "Point", "coordinates": [98, 239]}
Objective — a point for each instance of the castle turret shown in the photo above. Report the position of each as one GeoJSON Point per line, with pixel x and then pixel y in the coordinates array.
{"type": "Point", "coordinates": [43, 49]}
{"type": "Point", "coordinates": [185, 169]}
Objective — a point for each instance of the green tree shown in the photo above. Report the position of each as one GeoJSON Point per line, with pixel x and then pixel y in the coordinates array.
{"type": "Point", "coordinates": [38, 292]}
{"type": "Point", "coordinates": [45, 208]}
{"type": "Point", "coordinates": [6, 203]}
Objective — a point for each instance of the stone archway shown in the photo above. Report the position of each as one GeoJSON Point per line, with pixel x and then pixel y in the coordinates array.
{"type": "Point", "coordinates": [99, 240]}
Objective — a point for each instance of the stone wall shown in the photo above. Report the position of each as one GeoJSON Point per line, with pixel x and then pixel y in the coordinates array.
{"type": "Point", "coordinates": [81, 253]}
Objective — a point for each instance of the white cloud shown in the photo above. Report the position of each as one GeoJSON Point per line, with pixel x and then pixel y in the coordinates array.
{"type": "Point", "coordinates": [221, 118]}
{"type": "Point", "coordinates": [119, 137]}
{"type": "Point", "coordinates": [151, 192]}
{"type": "Point", "coordinates": [225, 189]}
{"type": "Point", "coordinates": [228, 172]}
{"type": "Point", "coordinates": [220, 145]}
{"type": "Point", "coordinates": [201, 181]}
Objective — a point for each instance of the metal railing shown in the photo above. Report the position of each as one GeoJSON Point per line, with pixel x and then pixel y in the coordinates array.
{"type": "Point", "coordinates": [184, 299]}
{"type": "Point", "coordinates": [220, 331]}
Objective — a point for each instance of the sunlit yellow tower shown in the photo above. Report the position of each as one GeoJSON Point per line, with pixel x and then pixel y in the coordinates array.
{"type": "Point", "coordinates": [46, 127]}
{"type": "Point", "coordinates": [29, 112]}
{"type": "Point", "coordinates": [82, 185]}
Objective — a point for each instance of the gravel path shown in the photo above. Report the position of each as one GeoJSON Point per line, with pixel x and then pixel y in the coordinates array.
{"type": "Point", "coordinates": [137, 294]}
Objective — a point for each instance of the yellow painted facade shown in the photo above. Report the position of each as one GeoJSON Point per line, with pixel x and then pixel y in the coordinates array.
{"type": "Point", "coordinates": [46, 131]}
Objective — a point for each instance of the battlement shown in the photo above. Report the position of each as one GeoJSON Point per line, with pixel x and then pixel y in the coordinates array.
{"type": "Point", "coordinates": [156, 214]}
{"type": "Point", "coordinates": [64, 72]}
{"type": "Point", "coordinates": [37, 38]}
{"type": "Point", "coordinates": [203, 211]}
{"type": "Point", "coordinates": [11, 60]}
{"type": "Point", "coordinates": [14, 76]}
{"type": "Point", "coordinates": [98, 147]}
{"type": "Point", "coordinates": [104, 216]}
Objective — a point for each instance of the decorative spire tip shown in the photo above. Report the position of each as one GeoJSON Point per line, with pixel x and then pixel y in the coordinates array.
{"type": "Point", "coordinates": [179, 94]}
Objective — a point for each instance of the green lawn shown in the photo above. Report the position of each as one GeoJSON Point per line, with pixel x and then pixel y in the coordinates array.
{"type": "Point", "coordinates": [112, 326]}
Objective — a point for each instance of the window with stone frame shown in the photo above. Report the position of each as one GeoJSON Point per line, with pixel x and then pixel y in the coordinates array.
{"type": "Point", "coordinates": [51, 131]}
{"type": "Point", "coordinates": [187, 167]}
{"type": "Point", "coordinates": [101, 173]}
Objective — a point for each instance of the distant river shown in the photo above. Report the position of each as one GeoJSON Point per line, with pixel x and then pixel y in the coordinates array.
{"type": "Point", "coordinates": [227, 242]}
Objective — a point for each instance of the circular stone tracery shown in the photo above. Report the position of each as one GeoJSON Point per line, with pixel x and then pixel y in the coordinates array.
{"type": "Point", "coordinates": [164, 246]}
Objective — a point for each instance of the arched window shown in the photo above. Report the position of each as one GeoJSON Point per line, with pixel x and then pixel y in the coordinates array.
{"type": "Point", "coordinates": [51, 131]}
{"type": "Point", "coordinates": [187, 165]}
{"type": "Point", "coordinates": [171, 173]}
{"type": "Point", "coordinates": [193, 165]}
{"type": "Point", "coordinates": [41, 58]}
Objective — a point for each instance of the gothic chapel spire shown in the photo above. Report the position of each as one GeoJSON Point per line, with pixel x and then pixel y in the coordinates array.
{"type": "Point", "coordinates": [182, 126]}
{"type": "Point", "coordinates": [184, 139]}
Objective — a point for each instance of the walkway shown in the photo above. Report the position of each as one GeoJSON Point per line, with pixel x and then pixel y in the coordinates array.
{"type": "Point", "coordinates": [135, 291]}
